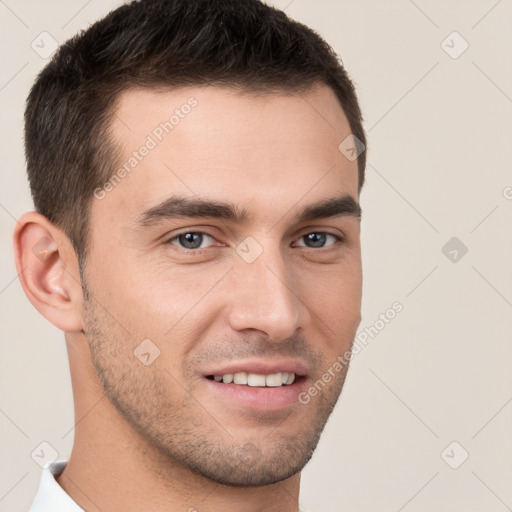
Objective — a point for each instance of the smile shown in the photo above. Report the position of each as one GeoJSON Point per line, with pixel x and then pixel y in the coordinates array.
{"type": "Point", "coordinates": [273, 380]}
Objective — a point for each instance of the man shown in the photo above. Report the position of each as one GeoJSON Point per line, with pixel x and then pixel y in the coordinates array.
{"type": "Point", "coordinates": [196, 168]}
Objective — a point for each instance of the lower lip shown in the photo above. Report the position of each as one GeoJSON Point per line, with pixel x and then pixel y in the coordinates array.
{"type": "Point", "coordinates": [260, 399]}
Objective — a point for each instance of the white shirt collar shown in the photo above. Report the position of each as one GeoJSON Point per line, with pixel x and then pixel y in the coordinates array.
{"type": "Point", "coordinates": [51, 497]}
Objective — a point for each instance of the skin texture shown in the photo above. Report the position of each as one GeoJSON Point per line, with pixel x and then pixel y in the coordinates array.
{"type": "Point", "coordinates": [159, 437]}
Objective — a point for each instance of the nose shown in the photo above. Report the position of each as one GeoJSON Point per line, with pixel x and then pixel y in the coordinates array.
{"type": "Point", "coordinates": [265, 297]}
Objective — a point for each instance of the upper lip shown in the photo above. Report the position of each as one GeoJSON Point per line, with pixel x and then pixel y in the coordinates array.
{"type": "Point", "coordinates": [261, 367]}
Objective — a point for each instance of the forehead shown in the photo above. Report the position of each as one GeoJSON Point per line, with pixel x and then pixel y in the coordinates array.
{"type": "Point", "coordinates": [267, 151]}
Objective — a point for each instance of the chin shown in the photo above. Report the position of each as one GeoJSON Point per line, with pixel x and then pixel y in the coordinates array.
{"type": "Point", "coordinates": [251, 465]}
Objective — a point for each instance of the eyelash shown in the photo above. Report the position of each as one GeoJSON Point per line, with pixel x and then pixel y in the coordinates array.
{"type": "Point", "coordinates": [338, 239]}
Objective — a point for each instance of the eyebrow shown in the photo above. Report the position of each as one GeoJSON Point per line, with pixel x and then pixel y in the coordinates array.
{"type": "Point", "coordinates": [178, 207]}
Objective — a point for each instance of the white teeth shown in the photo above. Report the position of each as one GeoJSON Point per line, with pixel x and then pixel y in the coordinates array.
{"type": "Point", "coordinates": [273, 380]}
{"type": "Point", "coordinates": [255, 380]}
{"type": "Point", "coordinates": [240, 378]}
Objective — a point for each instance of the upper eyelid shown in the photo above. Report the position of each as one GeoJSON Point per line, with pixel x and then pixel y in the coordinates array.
{"type": "Point", "coordinates": [196, 231]}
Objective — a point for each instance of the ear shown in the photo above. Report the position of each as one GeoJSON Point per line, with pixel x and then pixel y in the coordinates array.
{"type": "Point", "coordinates": [48, 270]}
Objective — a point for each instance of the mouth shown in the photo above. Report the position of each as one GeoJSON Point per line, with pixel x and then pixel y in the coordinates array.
{"type": "Point", "coordinates": [257, 385]}
{"type": "Point", "coordinates": [256, 380]}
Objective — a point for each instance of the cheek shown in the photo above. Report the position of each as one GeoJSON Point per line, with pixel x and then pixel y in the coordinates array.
{"type": "Point", "coordinates": [334, 297]}
{"type": "Point", "coordinates": [170, 305]}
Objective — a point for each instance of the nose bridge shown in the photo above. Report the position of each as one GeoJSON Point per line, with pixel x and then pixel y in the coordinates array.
{"type": "Point", "coordinates": [266, 296]}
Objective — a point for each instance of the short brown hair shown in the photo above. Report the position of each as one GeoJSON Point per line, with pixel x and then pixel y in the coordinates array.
{"type": "Point", "coordinates": [243, 44]}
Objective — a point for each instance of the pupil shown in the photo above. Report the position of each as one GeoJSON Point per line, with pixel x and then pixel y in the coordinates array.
{"type": "Point", "coordinates": [191, 240]}
{"type": "Point", "coordinates": [317, 239]}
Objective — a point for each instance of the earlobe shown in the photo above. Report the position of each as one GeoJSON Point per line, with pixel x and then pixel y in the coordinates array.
{"type": "Point", "coordinates": [48, 271]}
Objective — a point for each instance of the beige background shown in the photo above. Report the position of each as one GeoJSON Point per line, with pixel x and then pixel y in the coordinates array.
{"type": "Point", "coordinates": [440, 134]}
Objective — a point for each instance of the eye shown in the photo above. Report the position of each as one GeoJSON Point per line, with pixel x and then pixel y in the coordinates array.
{"type": "Point", "coordinates": [194, 240]}
{"type": "Point", "coordinates": [318, 239]}
{"type": "Point", "coordinates": [190, 240]}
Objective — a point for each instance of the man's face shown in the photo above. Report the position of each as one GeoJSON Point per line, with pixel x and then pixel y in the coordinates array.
{"type": "Point", "coordinates": [181, 304]}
